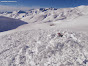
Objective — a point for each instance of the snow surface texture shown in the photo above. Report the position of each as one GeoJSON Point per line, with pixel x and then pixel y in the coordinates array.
{"type": "Point", "coordinates": [44, 48]}
{"type": "Point", "coordinates": [38, 43]}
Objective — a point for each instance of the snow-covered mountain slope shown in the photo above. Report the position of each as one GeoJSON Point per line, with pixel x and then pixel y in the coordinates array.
{"type": "Point", "coordinates": [78, 24]}
{"type": "Point", "coordinates": [9, 23]}
{"type": "Point", "coordinates": [38, 42]}
{"type": "Point", "coordinates": [48, 14]}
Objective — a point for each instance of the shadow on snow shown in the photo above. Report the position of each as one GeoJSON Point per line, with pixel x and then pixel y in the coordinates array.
{"type": "Point", "coordinates": [9, 23]}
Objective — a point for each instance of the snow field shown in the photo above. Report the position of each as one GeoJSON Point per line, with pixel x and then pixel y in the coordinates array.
{"type": "Point", "coordinates": [44, 48]}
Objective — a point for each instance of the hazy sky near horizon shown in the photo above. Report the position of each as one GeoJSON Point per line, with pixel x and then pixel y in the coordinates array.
{"type": "Point", "coordinates": [44, 3]}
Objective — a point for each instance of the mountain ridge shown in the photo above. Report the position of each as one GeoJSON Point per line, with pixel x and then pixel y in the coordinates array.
{"type": "Point", "coordinates": [47, 14]}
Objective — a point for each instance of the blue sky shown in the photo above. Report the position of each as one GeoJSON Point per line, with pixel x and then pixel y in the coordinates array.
{"type": "Point", "coordinates": [26, 4]}
{"type": "Point", "coordinates": [46, 3]}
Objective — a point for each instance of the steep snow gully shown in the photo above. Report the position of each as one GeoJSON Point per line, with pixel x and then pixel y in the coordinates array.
{"type": "Point", "coordinates": [51, 37]}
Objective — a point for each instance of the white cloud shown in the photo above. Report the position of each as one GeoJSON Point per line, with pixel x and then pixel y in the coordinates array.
{"type": "Point", "coordinates": [10, 8]}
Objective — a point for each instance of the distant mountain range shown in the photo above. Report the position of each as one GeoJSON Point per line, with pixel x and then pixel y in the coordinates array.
{"type": "Point", "coordinates": [47, 14]}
